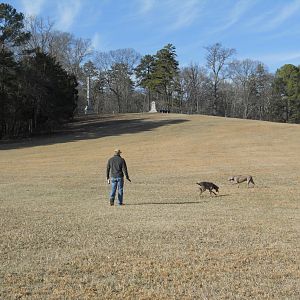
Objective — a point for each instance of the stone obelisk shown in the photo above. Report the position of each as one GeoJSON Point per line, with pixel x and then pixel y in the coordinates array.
{"type": "Point", "coordinates": [88, 109]}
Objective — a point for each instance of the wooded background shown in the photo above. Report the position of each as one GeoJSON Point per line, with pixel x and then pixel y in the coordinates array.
{"type": "Point", "coordinates": [43, 80]}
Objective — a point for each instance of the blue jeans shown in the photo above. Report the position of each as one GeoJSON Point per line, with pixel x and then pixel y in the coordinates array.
{"type": "Point", "coordinates": [117, 182]}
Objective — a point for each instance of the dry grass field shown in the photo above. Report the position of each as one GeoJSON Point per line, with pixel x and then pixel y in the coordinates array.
{"type": "Point", "coordinates": [60, 239]}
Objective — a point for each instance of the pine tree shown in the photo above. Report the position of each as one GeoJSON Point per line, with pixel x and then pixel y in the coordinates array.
{"type": "Point", "coordinates": [11, 27]}
{"type": "Point", "coordinates": [11, 34]}
{"type": "Point", "coordinates": [165, 73]}
{"type": "Point", "coordinates": [51, 90]}
{"type": "Point", "coordinates": [287, 89]}
{"type": "Point", "coordinates": [144, 74]}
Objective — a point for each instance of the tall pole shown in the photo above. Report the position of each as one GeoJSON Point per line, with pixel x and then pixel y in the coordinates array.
{"type": "Point", "coordinates": [88, 90]}
{"type": "Point", "coordinates": [88, 109]}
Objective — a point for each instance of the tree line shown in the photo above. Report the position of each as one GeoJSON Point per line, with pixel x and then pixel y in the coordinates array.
{"type": "Point", "coordinates": [37, 93]}
{"type": "Point", "coordinates": [43, 80]}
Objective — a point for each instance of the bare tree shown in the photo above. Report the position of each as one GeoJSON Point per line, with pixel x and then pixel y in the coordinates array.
{"type": "Point", "coordinates": [69, 51]}
{"type": "Point", "coordinates": [253, 88]}
{"type": "Point", "coordinates": [264, 92]}
{"type": "Point", "coordinates": [194, 83]}
{"type": "Point", "coordinates": [127, 56]}
{"type": "Point", "coordinates": [116, 69]}
{"type": "Point", "coordinates": [243, 75]}
{"type": "Point", "coordinates": [216, 61]}
{"type": "Point", "coordinates": [41, 33]}
{"type": "Point", "coordinates": [105, 60]}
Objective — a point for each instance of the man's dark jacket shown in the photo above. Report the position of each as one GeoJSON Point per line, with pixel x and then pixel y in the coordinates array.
{"type": "Point", "coordinates": [116, 166]}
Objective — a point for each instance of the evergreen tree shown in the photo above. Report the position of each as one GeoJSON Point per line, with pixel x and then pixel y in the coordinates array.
{"type": "Point", "coordinates": [11, 27]}
{"type": "Point", "coordinates": [51, 90]}
{"type": "Point", "coordinates": [144, 74]}
{"type": "Point", "coordinates": [165, 74]}
{"type": "Point", "coordinates": [11, 34]}
{"type": "Point", "coordinates": [8, 87]}
{"type": "Point", "coordinates": [287, 91]}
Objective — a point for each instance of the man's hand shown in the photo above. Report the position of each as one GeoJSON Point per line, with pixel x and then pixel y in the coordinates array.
{"type": "Point", "coordinates": [108, 181]}
{"type": "Point", "coordinates": [128, 179]}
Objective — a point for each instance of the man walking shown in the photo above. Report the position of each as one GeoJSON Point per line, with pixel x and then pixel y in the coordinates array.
{"type": "Point", "coordinates": [116, 168]}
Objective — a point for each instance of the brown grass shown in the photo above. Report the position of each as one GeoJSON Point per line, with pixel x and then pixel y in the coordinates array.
{"type": "Point", "coordinates": [61, 240]}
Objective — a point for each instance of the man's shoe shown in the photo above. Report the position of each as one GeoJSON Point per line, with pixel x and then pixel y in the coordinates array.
{"type": "Point", "coordinates": [111, 201]}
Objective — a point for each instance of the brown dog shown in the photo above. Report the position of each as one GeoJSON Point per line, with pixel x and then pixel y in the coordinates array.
{"type": "Point", "coordinates": [241, 178]}
{"type": "Point", "coordinates": [203, 186]}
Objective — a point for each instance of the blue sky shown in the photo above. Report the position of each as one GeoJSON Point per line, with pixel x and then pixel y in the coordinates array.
{"type": "Point", "coordinates": [264, 30]}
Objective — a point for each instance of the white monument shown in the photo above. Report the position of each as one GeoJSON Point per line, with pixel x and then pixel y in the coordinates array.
{"type": "Point", "coordinates": [88, 109]}
{"type": "Point", "coordinates": [153, 107]}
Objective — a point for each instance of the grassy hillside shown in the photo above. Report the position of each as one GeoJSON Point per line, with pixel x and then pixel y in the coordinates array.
{"type": "Point", "coordinates": [60, 239]}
